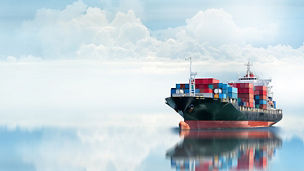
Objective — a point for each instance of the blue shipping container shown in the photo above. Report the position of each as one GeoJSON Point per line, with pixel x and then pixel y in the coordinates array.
{"type": "Point", "coordinates": [225, 86]}
{"type": "Point", "coordinates": [262, 102]}
{"type": "Point", "coordinates": [173, 90]}
{"type": "Point", "coordinates": [178, 86]}
{"type": "Point", "coordinates": [186, 90]}
{"type": "Point", "coordinates": [257, 97]}
{"type": "Point", "coordinates": [232, 90]}
{"type": "Point", "coordinates": [224, 91]}
{"type": "Point", "coordinates": [222, 96]}
{"type": "Point", "coordinates": [232, 95]}
{"type": "Point", "coordinates": [186, 85]}
{"type": "Point", "coordinates": [210, 86]}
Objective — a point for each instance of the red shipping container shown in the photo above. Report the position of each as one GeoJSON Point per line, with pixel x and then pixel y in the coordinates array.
{"type": "Point", "coordinates": [262, 97]}
{"type": "Point", "coordinates": [232, 84]}
{"type": "Point", "coordinates": [206, 80]}
{"type": "Point", "coordinates": [263, 106]}
{"type": "Point", "coordinates": [201, 86]}
{"type": "Point", "coordinates": [260, 92]}
{"type": "Point", "coordinates": [245, 95]}
{"type": "Point", "coordinates": [245, 90]}
{"type": "Point", "coordinates": [215, 85]}
{"type": "Point", "coordinates": [247, 100]}
{"type": "Point", "coordinates": [182, 86]}
{"type": "Point", "coordinates": [249, 104]}
{"type": "Point", "coordinates": [260, 88]}
{"type": "Point", "coordinates": [246, 85]}
{"type": "Point", "coordinates": [206, 90]}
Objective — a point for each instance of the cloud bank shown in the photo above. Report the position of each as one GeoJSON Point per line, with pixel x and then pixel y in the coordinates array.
{"type": "Point", "coordinates": [79, 31]}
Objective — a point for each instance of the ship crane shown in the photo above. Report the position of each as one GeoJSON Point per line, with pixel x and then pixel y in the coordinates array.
{"type": "Point", "coordinates": [191, 78]}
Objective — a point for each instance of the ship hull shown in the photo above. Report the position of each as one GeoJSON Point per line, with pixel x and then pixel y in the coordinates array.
{"type": "Point", "coordinates": [204, 113]}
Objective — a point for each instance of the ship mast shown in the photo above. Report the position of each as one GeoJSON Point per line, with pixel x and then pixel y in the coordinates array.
{"type": "Point", "coordinates": [191, 78]}
{"type": "Point", "coordinates": [248, 69]}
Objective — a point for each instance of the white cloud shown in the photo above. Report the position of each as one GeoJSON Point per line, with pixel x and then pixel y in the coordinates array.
{"type": "Point", "coordinates": [87, 32]}
{"type": "Point", "coordinates": [217, 26]}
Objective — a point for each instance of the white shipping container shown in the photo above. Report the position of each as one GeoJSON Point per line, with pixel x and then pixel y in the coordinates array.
{"type": "Point", "coordinates": [207, 95]}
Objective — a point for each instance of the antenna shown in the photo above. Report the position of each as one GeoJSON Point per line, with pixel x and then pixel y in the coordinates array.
{"type": "Point", "coordinates": [191, 78]}
{"type": "Point", "coordinates": [248, 68]}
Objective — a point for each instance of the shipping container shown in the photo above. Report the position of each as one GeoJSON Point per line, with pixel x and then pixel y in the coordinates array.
{"type": "Point", "coordinates": [263, 106]}
{"type": "Point", "coordinates": [260, 92]}
{"type": "Point", "coordinates": [225, 91]}
{"type": "Point", "coordinates": [224, 86]}
{"type": "Point", "coordinates": [246, 90]}
{"type": "Point", "coordinates": [210, 86]}
{"type": "Point", "coordinates": [233, 95]}
{"type": "Point", "coordinates": [216, 96]}
{"type": "Point", "coordinates": [247, 100]}
{"type": "Point", "coordinates": [206, 90]}
{"type": "Point", "coordinates": [206, 81]}
{"type": "Point", "coordinates": [222, 96]}
{"type": "Point", "coordinates": [262, 101]}
{"type": "Point", "coordinates": [215, 85]}
{"type": "Point", "coordinates": [262, 88]}
{"type": "Point", "coordinates": [186, 91]}
{"type": "Point", "coordinates": [245, 85]}
{"type": "Point", "coordinates": [245, 95]}
{"type": "Point", "coordinates": [202, 86]}
{"type": "Point", "coordinates": [179, 91]}
{"type": "Point", "coordinates": [232, 90]}
{"type": "Point", "coordinates": [207, 95]}
{"type": "Point", "coordinates": [173, 91]}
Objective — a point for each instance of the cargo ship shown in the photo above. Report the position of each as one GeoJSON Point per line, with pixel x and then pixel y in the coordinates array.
{"type": "Point", "coordinates": [241, 149]}
{"type": "Point", "coordinates": [206, 103]}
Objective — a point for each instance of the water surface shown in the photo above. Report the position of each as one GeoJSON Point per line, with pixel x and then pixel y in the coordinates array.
{"type": "Point", "coordinates": [149, 143]}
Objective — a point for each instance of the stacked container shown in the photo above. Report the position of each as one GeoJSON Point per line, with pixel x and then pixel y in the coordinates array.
{"type": "Point", "coordinates": [208, 87]}
{"type": "Point", "coordinates": [260, 97]}
{"type": "Point", "coordinates": [182, 88]}
{"type": "Point", "coordinates": [205, 86]}
{"type": "Point", "coordinates": [245, 94]}
{"type": "Point", "coordinates": [221, 90]}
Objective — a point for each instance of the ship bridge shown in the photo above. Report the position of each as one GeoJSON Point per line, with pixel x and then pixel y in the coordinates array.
{"type": "Point", "coordinates": [251, 78]}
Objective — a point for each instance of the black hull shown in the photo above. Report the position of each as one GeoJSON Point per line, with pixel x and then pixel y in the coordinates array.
{"type": "Point", "coordinates": [208, 109]}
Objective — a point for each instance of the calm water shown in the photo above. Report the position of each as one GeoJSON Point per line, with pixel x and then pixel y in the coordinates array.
{"type": "Point", "coordinates": [148, 145]}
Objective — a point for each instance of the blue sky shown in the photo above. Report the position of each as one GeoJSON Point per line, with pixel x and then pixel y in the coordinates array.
{"type": "Point", "coordinates": [287, 15]}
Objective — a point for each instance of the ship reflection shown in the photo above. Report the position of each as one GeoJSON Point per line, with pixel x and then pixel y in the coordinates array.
{"type": "Point", "coordinates": [225, 150]}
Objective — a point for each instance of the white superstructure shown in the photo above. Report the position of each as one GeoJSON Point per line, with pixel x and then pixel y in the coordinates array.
{"type": "Point", "coordinates": [251, 78]}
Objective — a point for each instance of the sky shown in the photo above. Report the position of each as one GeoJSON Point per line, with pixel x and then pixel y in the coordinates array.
{"type": "Point", "coordinates": [72, 57]}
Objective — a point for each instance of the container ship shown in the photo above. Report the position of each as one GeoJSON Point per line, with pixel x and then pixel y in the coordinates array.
{"type": "Point", "coordinates": [207, 103]}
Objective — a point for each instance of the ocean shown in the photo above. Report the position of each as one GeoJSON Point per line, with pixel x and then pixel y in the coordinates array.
{"type": "Point", "coordinates": [148, 142]}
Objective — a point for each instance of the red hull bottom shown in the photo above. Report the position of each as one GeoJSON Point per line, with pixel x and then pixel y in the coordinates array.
{"type": "Point", "coordinates": [223, 124]}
